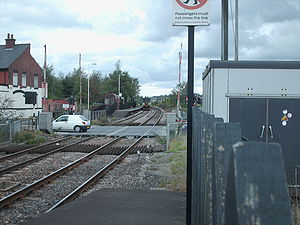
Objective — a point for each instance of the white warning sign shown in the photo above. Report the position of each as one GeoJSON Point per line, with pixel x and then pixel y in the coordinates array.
{"type": "Point", "coordinates": [191, 13]}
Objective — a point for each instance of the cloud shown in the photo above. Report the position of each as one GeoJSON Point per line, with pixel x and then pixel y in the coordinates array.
{"type": "Point", "coordinates": [273, 41]}
{"type": "Point", "coordinates": [256, 12]}
{"type": "Point", "coordinates": [27, 14]}
{"type": "Point", "coordinates": [141, 35]}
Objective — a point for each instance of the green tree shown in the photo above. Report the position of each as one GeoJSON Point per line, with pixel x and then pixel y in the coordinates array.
{"type": "Point", "coordinates": [183, 94]}
{"type": "Point", "coordinates": [129, 86]}
{"type": "Point", "coordinates": [5, 113]}
{"type": "Point", "coordinates": [55, 87]}
{"type": "Point", "coordinates": [68, 86]}
{"type": "Point", "coordinates": [71, 84]}
{"type": "Point", "coordinates": [65, 86]}
{"type": "Point", "coordinates": [96, 88]}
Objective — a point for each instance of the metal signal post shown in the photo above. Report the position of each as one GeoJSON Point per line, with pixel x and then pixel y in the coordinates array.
{"type": "Point", "coordinates": [191, 49]}
{"type": "Point", "coordinates": [202, 18]}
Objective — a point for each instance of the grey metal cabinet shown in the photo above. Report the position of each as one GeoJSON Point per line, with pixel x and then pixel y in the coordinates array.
{"type": "Point", "coordinates": [271, 120]}
{"type": "Point", "coordinates": [251, 113]}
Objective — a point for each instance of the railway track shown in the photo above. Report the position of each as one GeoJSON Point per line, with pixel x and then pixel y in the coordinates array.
{"type": "Point", "coordinates": [22, 152]}
{"type": "Point", "coordinates": [33, 187]}
{"type": "Point", "coordinates": [127, 120]}
{"type": "Point", "coordinates": [37, 158]}
{"type": "Point", "coordinates": [156, 116]}
{"type": "Point", "coordinates": [85, 185]}
{"type": "Point", "coordinates": [140, 119]}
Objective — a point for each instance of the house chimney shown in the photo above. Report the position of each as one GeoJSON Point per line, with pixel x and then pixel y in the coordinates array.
{"type": "Point", "coordinates": [10, 41]}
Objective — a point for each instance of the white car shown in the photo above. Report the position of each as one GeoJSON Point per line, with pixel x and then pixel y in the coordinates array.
{"type": "Point", "coordinates": [71, 123]}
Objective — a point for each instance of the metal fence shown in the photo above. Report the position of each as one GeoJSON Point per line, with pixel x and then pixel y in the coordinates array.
{"type": "Point", "coordinates": [235, 182]}
{"type": "Point", "coordinates": [94, 115]}
{"type": "Point", "coordinates": [9, 130]}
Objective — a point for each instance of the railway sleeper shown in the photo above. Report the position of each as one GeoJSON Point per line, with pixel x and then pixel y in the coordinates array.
{"type": "Point", "coordinates": [117, 150]}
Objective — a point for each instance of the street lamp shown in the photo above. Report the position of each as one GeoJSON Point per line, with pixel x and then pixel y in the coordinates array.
{"type": "Point", "coordinates": [91, 64]}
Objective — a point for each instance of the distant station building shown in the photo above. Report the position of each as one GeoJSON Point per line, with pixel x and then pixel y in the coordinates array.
{"type": "Point", "coordinates": [60, 106]}
{"type": "Point", "coordinates": [21, 78]}
{"type": "Point", "coordinates": [158, 99]}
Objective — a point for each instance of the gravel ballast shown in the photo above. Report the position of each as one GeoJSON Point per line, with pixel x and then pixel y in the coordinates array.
{"type": "Point", "coordinates": [135, 172]}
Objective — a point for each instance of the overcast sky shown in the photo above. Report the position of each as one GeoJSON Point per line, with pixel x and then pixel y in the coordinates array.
{"type": "Point", "coordinates": [140, 34]}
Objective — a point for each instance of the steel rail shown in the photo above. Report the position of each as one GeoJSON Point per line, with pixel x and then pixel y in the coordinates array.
{"type": "Point", "coordinates": [95, 177]}
{"type": "Point", "coordinates": [4, 143]}
{"type": "Point", "coordinates": [150, 117]}
{"type": "Point", "coordinates": [158, 119]}
{"type": "Point", "coordinates": [153, 114]}
{"type": "Point", "coordinates": [84, 186]}
{"type": "Point", "coordinates": [22, 164]}
{"type": "Point", "coordinates": [131, 120]}
{"type": "Point", "coordinates": [8, 200]}
{"type": "Point", "coordinates": [29, 149]}
{"type": "Point", "coordinates": [127, 118]}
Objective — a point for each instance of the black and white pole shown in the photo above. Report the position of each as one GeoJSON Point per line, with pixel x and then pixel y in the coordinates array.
{"type": "Point", "coordinates": [191, 34]}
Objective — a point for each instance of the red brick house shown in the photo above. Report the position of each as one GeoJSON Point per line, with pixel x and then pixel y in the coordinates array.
{"type": "Point", "coordinates": [20, 73]}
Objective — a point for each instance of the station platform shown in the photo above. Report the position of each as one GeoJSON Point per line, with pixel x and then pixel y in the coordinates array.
{"type": "Point", "coordinates": [119, 207]}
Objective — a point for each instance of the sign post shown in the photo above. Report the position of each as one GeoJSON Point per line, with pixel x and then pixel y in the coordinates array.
{"type": "Point", "coordinates": [190, 13]}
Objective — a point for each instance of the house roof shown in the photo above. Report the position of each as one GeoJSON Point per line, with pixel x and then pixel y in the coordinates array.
{"type": "Point", "coordinates": [8, 56]}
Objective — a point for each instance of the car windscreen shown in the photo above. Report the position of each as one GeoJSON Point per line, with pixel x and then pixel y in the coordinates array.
{"type": "Point", "coordinates": [83, 118]}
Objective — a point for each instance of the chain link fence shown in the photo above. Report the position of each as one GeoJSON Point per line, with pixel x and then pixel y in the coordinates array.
{"type": "Point", "coordinates": [9, 130]}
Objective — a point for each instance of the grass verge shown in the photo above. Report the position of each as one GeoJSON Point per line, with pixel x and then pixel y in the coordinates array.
{"type": "Point", "coordinates": [296, 214]}
{"type": "Point", "coordinates": [175, 179]}
{"type": "Point", "coordinates": [29, 137]}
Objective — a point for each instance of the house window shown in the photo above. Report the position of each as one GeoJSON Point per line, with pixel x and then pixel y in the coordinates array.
{"type": "Point", "coordinates": [24, 80]}
{"type": "Point", "coordinates": [15, 78]}
{"type": "Point", "coordinates": [36, 81]}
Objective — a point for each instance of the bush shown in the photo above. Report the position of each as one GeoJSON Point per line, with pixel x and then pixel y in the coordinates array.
{"type": "Point", "coordinates": [161, 140]}
{"type": "Point", "coordinates": [29, 138]}
{"type": "Point", "coordinates": [36, 141]}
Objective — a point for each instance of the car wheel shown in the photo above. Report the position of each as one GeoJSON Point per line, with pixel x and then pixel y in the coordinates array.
{"type": "Point", "coordinates": [77, 129]}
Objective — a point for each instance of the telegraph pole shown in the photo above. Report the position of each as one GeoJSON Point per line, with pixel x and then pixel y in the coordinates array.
{"type": "Point", "coordinates": [224, 30]}
{"type": "Point", "coordinates": [236, 39]}
{"type": "Point", "coordinates": [44, 83]}
{"type": "Point", "coordinates": [45, 66]}
{"type": "Point", "coordinates": [80, 84]}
